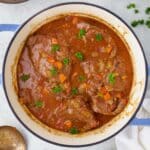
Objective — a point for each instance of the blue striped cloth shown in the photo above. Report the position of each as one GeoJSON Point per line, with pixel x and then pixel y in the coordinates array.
{"type": "Point", "coordinates": [14, 27]}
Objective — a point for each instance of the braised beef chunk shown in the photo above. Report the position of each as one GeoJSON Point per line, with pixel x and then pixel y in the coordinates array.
{"type": "Point", "coordinates": [77, 113]}
{"type": "Point", "coordinates": [110, 107]}
{"type": "Point", "coordinates": [74, 74]}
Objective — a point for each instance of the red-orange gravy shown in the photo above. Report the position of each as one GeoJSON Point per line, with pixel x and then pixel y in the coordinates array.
{"type": "Point", "coordinates": [74, 74]}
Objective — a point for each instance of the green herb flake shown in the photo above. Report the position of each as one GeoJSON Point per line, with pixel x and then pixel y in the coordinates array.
{"type": "Point", "coordinates": [136, 11]}
{"type": "Point", "coordinates": [134, 23]}
{"type": "Point", "coordinates": [82, 78]}
{"type": "Point", "coordinates": [131, 5]}
{"type": "Point", "coordinates": [81, 33]}
{"type": "Point", "coordinates": [147, 10]}
{"type": "Point", "coordinates": [55, 47]}
{"type": "Point", "coordinates": [66, 61]}
{"type": "Point", "coordinates": [25, 77]}
{"type": "Point", "coordinates": [74, 130]}
{"type": "Point", "coordinates": [98, 37]}
{"type": "Point", "coordinates": [39, 104]}
{"type": "Point", "coordinates": [137, 22]}
{"type": "Point", "coordinates": [141, 21]}
{"type": "Point", "coordinates": [74, 91]}
{"type": "Point", "coordinates": [111, 78]}
{"type": "Point", "coordinates": [148, 23]}
{"type": "Point", "coordinates": [79, 55]}
{"type": "Point", "coordinates": [57, 89]}
{"type": "Point", "coordinates": [53, 71]}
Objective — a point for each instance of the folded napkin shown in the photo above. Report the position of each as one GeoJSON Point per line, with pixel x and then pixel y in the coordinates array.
{"type": "Point", "coordinates": [135, 137]}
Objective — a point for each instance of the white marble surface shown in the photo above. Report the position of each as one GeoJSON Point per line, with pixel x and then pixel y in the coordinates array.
{"type": "Point", "coordinates": [18, 13]}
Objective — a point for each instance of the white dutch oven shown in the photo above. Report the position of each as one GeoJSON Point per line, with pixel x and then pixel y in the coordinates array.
{"type": "Point", "coordinates": [91, 137]}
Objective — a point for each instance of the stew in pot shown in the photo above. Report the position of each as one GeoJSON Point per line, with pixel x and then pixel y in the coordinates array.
{"type": "Point", "coordinates": [74, 74]}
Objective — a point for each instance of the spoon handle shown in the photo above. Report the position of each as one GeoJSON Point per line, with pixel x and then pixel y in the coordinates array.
{"type": "Point", "coordinates": [12, 1]}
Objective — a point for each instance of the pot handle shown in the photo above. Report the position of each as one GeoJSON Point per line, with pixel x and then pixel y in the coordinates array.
{"type": "Point", "coordinates": [135, 121]}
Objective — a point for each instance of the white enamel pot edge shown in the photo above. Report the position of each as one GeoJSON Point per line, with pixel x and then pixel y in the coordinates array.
{"type": "Point", "coordinates": [137, 92]}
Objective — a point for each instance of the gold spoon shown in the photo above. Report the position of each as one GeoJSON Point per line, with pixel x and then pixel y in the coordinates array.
{"type": "Point", "coordinates": [13, 1]}
{"type": "Point", "coordinates": [11, 139]}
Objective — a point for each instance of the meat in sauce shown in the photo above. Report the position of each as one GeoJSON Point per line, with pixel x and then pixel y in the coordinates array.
{"type": "Point", "coordinates": [74, 74]}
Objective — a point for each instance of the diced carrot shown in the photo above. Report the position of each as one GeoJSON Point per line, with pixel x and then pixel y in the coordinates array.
{"type": "Point", "coordinates": [50, 60]}
{"type": "Point", "coordinates": [54, 41]}
{"type": "Point", "coordinates": [118, 95]}
{"type": "Point", "coordinates": [45, 91]}
{"type": "Point", "coordinates": [124, 77]}
{"type": "Point", "coordinates": [107, 96]}
{"type": "Point", "coordinates": [43, 54]}
{"type": "Point", "coordinates": [109, 64]}
{"type": "Point", "coordinates": [68, 123]}
{"type": "Point", "coordinates": [74, 74]}
{"type": "Point", "coordinates": [84, 85]}
{"type": "Point", "coordinates": [108, 49]}
{"type": "Point", "coordinates": [103, 90]}
{"type": "Point", "coordinates": [116, 74]}
{"type": "Point", "coordinates": [58, 64]}
{"type": "Point", "coordinates": [67, 87]}
{"type": "Point", "coordinates": [62, 77]}
{"type": "Point", "coordinates": [100, 76]}
{"type": "Point", "coordinates": [75, 20]}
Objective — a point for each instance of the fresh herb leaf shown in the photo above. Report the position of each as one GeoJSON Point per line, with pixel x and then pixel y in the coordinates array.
{"type": "Point", "coordinates": [57, 89]}
{"type": "Point", "coordinates": [25, 77]}
{"type": "Point", "coordinates": [81, 33]}
{"type": "Point", "coordinates": [39, 104]}
{"type": "Point", "coordinates": [53, 71]}
{"type": "Point", "coordinates": [136, 11]}
{"type": "Point", "coordinates": [99, 37]}
{"type": "Point", "coordinates": [148, 23]}
{"type": "Point", "coordinates": [79, 55]}
{"type": "Point", "coordinates": [74, 91]}
{"type": "Point", "coordinates": [74, 130]}
{"type": "Point", "coordinates": [147, 10]}
{"type": "Point", "coordinates": [134, 23]}
{"type": "Point", "coordinates": [82, 78]}
{"type": "Point", "coordinates": [55, 47]}
{"type": "Point", "coordinates": [131, 5]}
{"type": "Point", "coordinates": [141, 21]}
{"type": "Point", "coordinates": [137, 22]}
{"type": "Point", "coordinates": [66, 61]}
{"type": "Point", "coordinates": [111, 78]}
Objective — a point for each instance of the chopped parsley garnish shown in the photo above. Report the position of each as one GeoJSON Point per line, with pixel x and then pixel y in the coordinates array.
{"type": "Point", "coordinates": [66, 61]}
{"type": "Point", "coordinates": [148, 23]}
{"type": "Point", "coordinates": [53, 71]}
{"type": "Point", "coordinates": [57, 89]}
{"type": "Point", "coordinates": [111, 78]}
{"type": "Point", "coordinates": [82, 78]}
{"type": "Point", "coordinates": [147, 10]}
{"type": "Point", "coordinates": [137, 22]}
{"type": "Point", "coordinates": [136, 11]}
{"type": "Point", "coordinates": [79, 55]}
{"type": "Point", "coordinates": [74, 91]}
{"type": "Point", "coordinates": [131, 5]}
{"type": "Point", "coordinates": [25, 77]}
{"type": "Point", "coordinates": [39, 104]}
{"type": "Point", "coordinates": [81, 33]}
{"type": "Point", "coordinates": [55, 47]}
{"type": "Point", "coordinates": [74, 130]}
{"type": "Point", "coordinates": [99, 37]}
